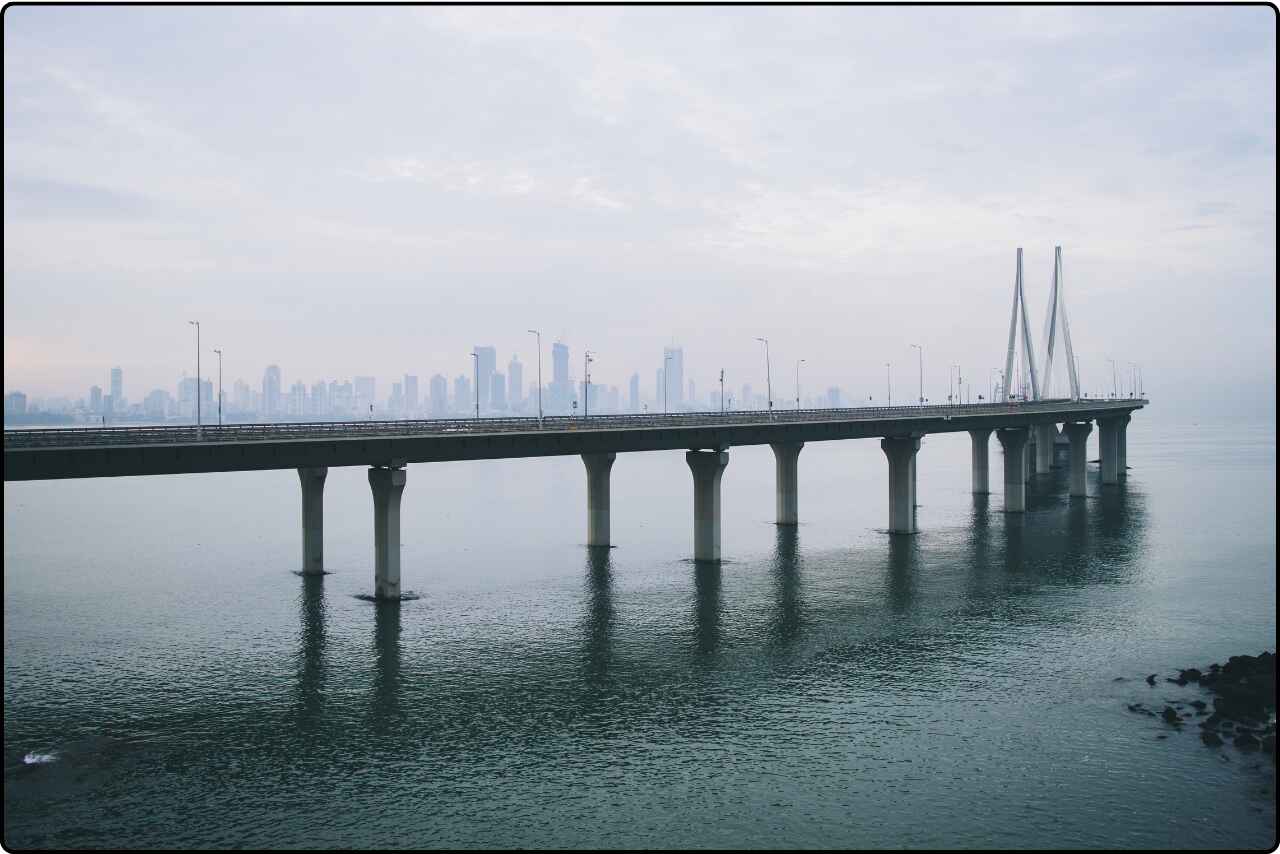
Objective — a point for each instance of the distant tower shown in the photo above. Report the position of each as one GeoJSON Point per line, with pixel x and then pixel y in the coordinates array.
{"type": "Point", "coordinates": [1055, 328]}
{"type": "Point", "coordinates": [117, 388]}
{"type": "Point", "coordinates": [272, 402]}
{"type": "Point", "coordinates": [486, 367]}
{"type": "Point", "coordinates": [1028, 371]}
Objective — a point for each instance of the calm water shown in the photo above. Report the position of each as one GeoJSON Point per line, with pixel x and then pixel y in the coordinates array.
{"type": "Point", "coordinates": [830, 686]}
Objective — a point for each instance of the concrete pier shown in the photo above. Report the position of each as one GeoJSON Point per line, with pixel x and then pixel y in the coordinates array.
{"type": "Point", "coordinates": [598, 466]}
{"type": "Point", "coordinates": [1029, 456]}
{"type": "Point", "coordinates": [387, 485]}
{"type": "Point", "coordinates": [1044, 447]}
{"type": "Point", "coordinates": [1014, 442]}
{"type": "Point", "coordinates": [707, 468]}
{"type": "Point", "coordinates": [1108, 450]}
{"type": "Point", "coordinates": [313, 519]}
{"type": "Point", "coordinates": [981, 440]}
{"type": "Point", "coordinates": [1078, 434]}
{"type": "Point", "coordinates": [786, 457]}
{"type": "Point", "coordinates": [1122, 433]}
{"type": "Point", "coordinates": [901, 453]}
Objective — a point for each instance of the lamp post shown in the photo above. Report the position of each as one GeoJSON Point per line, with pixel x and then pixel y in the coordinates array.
{"type": "Point", "coordinates": [768, 375]}
{"type": "Point", "coordinates": [1115, 391]}
{"type": "Point", "coordinates": [219, 352]}
{"type": "Point", "coordinates": [921, 349]}
{"type": "Point", "coordinates": [476, 362]}
{"type": "Point", "coordinates": [196, 324]}
{"type": "Point", "coordinates": [798, 361]}
{"type": "Point", "coordinates": [586, 381]}
{"type": "Point", "coordinates": [888, 383]}
{"type": "Point", "coordinates": [722, 391]}
{"type": "Point", "coordinates": [539, 335]}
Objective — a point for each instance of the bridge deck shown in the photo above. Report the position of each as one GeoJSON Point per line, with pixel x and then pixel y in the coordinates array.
{"type": "Point", "coordinates": [118, 451]}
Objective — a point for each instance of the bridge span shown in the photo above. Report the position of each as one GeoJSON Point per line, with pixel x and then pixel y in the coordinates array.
{"type": "Point", "coordinates": [1026, 431]}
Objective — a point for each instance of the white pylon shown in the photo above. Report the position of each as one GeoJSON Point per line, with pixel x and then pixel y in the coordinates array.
{"type": "Point", "coordinates": [1055, 318]}
{"type": "Point", "coordinates": [1028, 352]}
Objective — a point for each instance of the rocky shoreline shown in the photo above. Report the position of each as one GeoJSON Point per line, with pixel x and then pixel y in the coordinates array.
{"type": "Point", "coordinates": [1243, 697]}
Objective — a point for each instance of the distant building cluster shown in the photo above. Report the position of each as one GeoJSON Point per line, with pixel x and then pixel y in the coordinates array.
{"type": "Point", "coordinates": [486, 390]}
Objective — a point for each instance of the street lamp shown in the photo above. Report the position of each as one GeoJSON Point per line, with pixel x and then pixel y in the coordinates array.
{"type": "Point", "coordinates": [586, 380]}
{"type": "Point", "coordinates": [921, 349]}
{"type": "Point", "coordinates": [888, 383]}
{"type": "Point", "coordinates": [476, 357]}
{"type": "Point", "coordinates": [219, 352]}
{"type": "Point", "coordinates": [539, 334]}
{"type": "Point", "coordinates": [196, 324]}
{"type": "Point", "coordinates": [798, 361]}
{"type": "Point", "coordinates": [722, 391]}
{"type": "Point", "coordinates": [768, 376]}
{"type": "Point", "coordinates": [1115, 391]}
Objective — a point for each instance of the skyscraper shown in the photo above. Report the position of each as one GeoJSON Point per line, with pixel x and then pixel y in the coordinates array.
{"type": "Point", "coordinates": [364, 392]}
{"type": "Point", "coordinates": [515, 382]}
{"type": "Point", "coordinates": [272, 403]}
{"type": "Point", "coordinates": [486, 366]}
{"type": "Point", "coordinates": [117, 388]}
{"type": "Point", "coordinates": [410, 395]}
{"type": "Point", "coordinates": [95, 399]}
{"type": "Point", "coordinates": [674, 367]}
{"type": "Point", "coordinates": [439, 395]}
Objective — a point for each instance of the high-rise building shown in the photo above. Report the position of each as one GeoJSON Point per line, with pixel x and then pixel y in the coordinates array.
{"type": "Point", "coordinates": [117, 389]}
{"type": "Point", "coordinates": [342, 399]}
{"type": "Point", "coordinates": [15, 403]}
{"type": "Point", "coordinates": [498, 392]}
{"type": "Point", "coordinates": [297, 405]}
{"type": "Point", "coordinates": [95, 399]}
{"type": "Point", "coordinates": [272, 402]}
{"type": "Point", "coordinates": [156, 404]}
{"type": "Point", "coordinates": [515, 382]}
{"type": "Point", "coordinates": [318, 403]}
{"type": "Point", "coordinates": [634, 402]}
{"type": "Point", "coordinates": [673, 365]}
{"type": "Point", "coordinates": [395, 403]}
{"type": "Point", "coordinates": [486, 366]}
{"type": "Point", "coordinates": [410, 394]}
{"type": "Point", "coordinates": [439, 395]}
{"type": "Point", "coordinates": [241, 397]}
{"type": "Point", "coordinates": [364, 391]}
{"type": "Point", "coordinates": [462, 401]}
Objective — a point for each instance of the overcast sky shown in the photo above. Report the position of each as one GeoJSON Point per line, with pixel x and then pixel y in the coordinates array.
{"type": "Point", "coordinates": [375, 191]}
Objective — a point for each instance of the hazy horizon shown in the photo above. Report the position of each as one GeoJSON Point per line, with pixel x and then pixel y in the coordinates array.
{"type": "Point", "coordinates": [349, 191]}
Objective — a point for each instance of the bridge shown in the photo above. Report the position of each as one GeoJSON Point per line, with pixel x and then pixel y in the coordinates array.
{"type": "Point", "coordinates": [1027, 430]}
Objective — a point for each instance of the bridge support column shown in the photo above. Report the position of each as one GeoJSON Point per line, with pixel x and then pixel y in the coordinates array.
{"type": "Point", "coordinates": [707, 468]}
{"type": "Point", "coordinates": [1013, 440]}
{"type": "Point", "coordinates": [786, 457]}
{"type": "Point", "coordinates": [313, 519]}
{"type": "Point", "coordinates": [387, 485]}
{"type": "Point", "coordinates": [901, 453]}
{"type": "Point", "coordinates": [1108, 450]}
{"type": "Point", "coordinates": [981, 463]}
{"type": "Point", "coordinates": [1122, 432]}
{"type": "Point", "coordinates": [1029, 456]}
{"type": "Point", "coordinates": [598, 466]}
{"type": "Point", "coordinates": [1078, 433]}
{"type": "Point", "coordinates": [1044, 447]}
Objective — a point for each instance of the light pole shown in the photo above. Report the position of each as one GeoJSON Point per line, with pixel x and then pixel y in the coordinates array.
{"type": "Point", "coordinates": [1133, 379]}
{"type": "Point", "coordinates": [768, 375]}
{"type": "Point", "coordinates": [539, 334]}
{"type": "Point", "coordinates": [196, 324]}
{"type": "Point", "coordinates": [476, 357]}
{"type": "Point", "coordinates": [888, 383]}
{"type": "Point", "coordinates": [219, 352]}
{"type": "Point", "coordinates": [586, 380]}
{"type": "Point", "coordinates": [921, 349]}
{"type": "Point", "coordinates": [722, 391]}
{"type": "Point", "coordinates": [1115, 391]}
{"type": "Point", "coordinates": [798, 361]}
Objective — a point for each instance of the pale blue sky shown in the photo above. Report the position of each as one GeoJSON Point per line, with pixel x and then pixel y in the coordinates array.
{"type": "Point", "coordinates": [374, 191]}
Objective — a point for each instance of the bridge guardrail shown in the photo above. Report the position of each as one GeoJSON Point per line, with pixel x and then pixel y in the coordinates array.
{"type": "Point", "coordinates": [319, 430]}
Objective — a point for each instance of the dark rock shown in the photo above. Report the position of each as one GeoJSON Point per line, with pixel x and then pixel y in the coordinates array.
{"type": "Point", "coordinates": [1211, 738]}
{"type": "Point", "coordinates": [1151, 680]}
{"type": "Point", "coordinates": [1119, 679]}
{"type": "Point", "coordinates": [1246, 741]}
{"type": "Point", "coordinates": [1170, 716]}
{"type": "Point", "coordinates": [1190, 674]}
{"type": "Point", "coordinates": [1199, 704]}
{"type": "Point", "coordinates": [1162, 736]}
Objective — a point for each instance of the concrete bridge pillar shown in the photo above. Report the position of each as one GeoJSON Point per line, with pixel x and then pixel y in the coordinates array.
{"type": "Point", "coordinates": [387, 485]}
{"type": "Point", "coordinates": [598, 466]}
{"type": "Point", "coordinates": [1122, 432]}
{"type": "Point", "coordinates": [786, 457]}
{"type": "Point", "coordinates": [901, 453]}
{"type": "Point", "coordinates": [1044, 447]}
{"type": "Point", "coordinates": [1029, 456]}
{"type": "Point", "coordinates": [1013, 440]}
{"type": "Point", "coordinates": [1108, 450]}
{"type": "Point", "coordinates": [1078, 434]}
{"type": "Point", "coordinates": [981, 463]}
{"type": "Point", "coordinates": [313, 519]}
{"type": "Point", "coordinates": [707, 468]}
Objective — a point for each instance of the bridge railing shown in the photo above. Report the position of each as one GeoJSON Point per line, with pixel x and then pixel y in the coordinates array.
{"type": "Point", "coordinates": [313, 430]}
